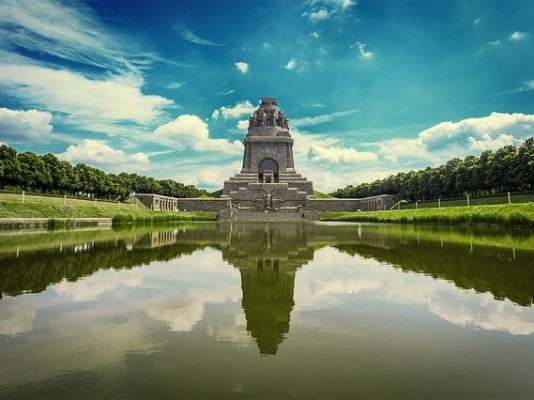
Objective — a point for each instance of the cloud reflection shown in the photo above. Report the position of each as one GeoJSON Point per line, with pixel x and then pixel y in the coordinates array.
{"type": "Point", "coordinates": [367, 279]}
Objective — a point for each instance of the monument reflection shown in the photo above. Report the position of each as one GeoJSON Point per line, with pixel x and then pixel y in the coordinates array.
{"type": "Point", "coordinates": [268, 257]}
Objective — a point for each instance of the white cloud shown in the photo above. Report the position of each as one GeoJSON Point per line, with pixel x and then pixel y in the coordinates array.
{"type": "Point", "coordinates": [242, 66]}
{"type": "Point", "coordinates": [517, 36]}
{"type": "Point", "coordinates": [189, 131]}
{"type": "Point", "coordinates": [318, 15]}
{"type": "Point", "coordinates": [240, 109]}
{"type": "Point", "coordinates": [489, 127]}
{"type": "Point", "coordinates": [175, 85]}
{"type": "Point", "coordinates": [70, 31]}
{"type": "Point", "coordinates": [99, 152]}
{"type": "Point", "coordinates": [208, 177]}
{"type": "Point", "coordinates": [17, 315]}
{"type": "Point", "coordinates": [116, 98]}
{"type": "Point", "coordinates": [398, 147]}
{"type": "Point", "coordinates": [242, 125]}
{"type": "Point", "coordinates": [100, 283]}
{"type": "Point", "coordinates": [186, 34]}
{"type": "Point", "coordinates": [180, 316]}
{"type": "Point", "coordinates": [340, 155]}
{"type": "Point", "coordinates": [366, 55]}
{"type": "Point", "coordinates": [320, 119]}
{"type": "Point", "coordinates": [449, 139]}
{"type": "Point", "coordinates": [291, 64]}
{"type": "Point", "coordinates": [344, 286]}
{"type": "Point", "coordinates": [20, 126]}
{"type": "Point", "coordinates": [321, 10]}
{"type": "Point", "coordinates": [486, 142]}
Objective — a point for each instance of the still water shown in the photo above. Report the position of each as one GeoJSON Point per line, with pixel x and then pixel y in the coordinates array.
{"type": "Point", "coordinates": [248, 310]}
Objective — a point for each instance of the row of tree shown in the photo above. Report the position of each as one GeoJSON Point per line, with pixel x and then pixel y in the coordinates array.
{"type": "Point", "coordinates": [47, 174]}
{"type": "Point", "coordinates": [508, 169]}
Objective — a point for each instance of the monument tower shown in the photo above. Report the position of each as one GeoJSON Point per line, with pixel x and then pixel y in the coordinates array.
{"type": "Point", "coordinates": [268, 181]}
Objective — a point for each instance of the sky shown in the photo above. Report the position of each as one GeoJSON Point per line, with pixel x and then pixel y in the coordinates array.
{"type": "Point", "coordinates": [165, 88]}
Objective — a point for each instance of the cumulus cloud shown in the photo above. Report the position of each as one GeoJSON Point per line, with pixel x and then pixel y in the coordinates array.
{"type": "Point", "coordinates": [186, 34]}
{"type": "Point", "coordinates": [189, 131]}
{"type": "Point", "coordinates": [242, 66]}
{"type": "Point", "coordinates": [179, 316]}
{"type": "Point", "coordinates": [99, 152]}
{"type": "Point", "coordinates": [20, 126]}
{"type": "Point", "coordinates": [240, 109]}
{"type": "Point", "coordinates": [489, 127]}
{"type": "Point", "coordinates": [115, 98]}
{"type": "Point", "coordinates": [459, 139]}
{"type": "Point", "coordinates": [242, 125]}
{"type": "Point", "coordinates": [392, 149]}
{"type": "Point", "coordinates": [100, 283]}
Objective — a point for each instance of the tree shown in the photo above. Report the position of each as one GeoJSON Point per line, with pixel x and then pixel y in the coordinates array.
{"type": "Point", "coordinates": [502, 169]}
{"type": "Point", "coordinates": [525, 164]}
{"type": "Point", "coordinates": [10, 167]}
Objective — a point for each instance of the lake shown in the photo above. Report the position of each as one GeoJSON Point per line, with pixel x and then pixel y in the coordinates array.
{"type": "Point", "coordinates": [257, 310]}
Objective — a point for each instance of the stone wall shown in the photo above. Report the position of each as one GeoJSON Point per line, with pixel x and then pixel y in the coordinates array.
{"type": "Point", "coordinates": [374, 203]}
{"type": "Point", "coordinates": [209, 205]}
{"type": "Point", "coordinates": [253, 199]}
{"type": "Point", "coordinates": [164, 203]}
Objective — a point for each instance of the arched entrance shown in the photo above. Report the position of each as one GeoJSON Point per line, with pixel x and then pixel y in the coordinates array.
{"type": "Point", "coordinates": [268, 171]}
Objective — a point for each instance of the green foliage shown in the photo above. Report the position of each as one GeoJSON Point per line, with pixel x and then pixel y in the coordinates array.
{"type": "Point", "coordinates": [507, 169]}
{"type": "Point", "coordinates": [47, 174]}
{"type": "Point", "coordinates": [320, 195]}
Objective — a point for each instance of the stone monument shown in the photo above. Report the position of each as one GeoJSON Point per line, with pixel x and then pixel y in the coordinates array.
{"type": "Point", "coordinates": [267, 188]}
{"type": "Point", "coordinates": [268, 181]}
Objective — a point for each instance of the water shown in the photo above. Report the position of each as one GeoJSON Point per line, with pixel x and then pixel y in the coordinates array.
{"type": "Point", "coordinates": [250, 310]}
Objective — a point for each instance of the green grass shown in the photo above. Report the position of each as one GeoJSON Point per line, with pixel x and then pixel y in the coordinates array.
{"type": "Point", "coordinates": [320, 195]}
{"type": "Point", "coordinates": [35, 206]}
{"type": "Point", "coordinates": [508, 215]}
{"type": "Point", "coordinates": [473, 201]}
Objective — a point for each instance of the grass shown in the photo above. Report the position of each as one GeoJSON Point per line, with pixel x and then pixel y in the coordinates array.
{"type": "Point", "coordinates": [515, 198]}
{"type": "Point", "coordinates": [508, 215]}
{"type": "Point", "coordinates": [34, 206]}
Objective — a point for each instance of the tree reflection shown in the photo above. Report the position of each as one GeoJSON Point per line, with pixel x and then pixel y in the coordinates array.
{"type": "Point", "coordinates": [268, 257]}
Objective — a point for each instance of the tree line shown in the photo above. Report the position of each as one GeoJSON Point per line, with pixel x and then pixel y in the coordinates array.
{"type": "Point", "coordinates": [508, 169]}
{"type": "Point", "coordinates": [47, 174]}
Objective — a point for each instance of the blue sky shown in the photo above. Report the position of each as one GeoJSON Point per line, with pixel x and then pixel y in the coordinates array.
{"type": "Point", "coordinates": [164, 88]}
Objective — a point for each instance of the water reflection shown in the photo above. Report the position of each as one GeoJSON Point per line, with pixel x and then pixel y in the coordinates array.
{"type": "Point", "coordinates": [268, 257]}
{"type": "Point", "coordinates": [142, 311]}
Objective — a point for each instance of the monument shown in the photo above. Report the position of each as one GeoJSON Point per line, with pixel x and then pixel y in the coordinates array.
{"type": "Point", "coordinates": [268, 187]}
{"type": "Point", "coordinates": [268, 181]}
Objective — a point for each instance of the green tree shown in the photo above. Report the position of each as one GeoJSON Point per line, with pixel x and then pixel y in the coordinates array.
{"type": "Point", "coordinates": [10, 166]}
{"type": "Point", "coordinates": [525, 164]}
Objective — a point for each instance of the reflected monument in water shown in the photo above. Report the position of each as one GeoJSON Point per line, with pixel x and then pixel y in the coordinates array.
{"type": "Point", "coordinates": [268, 257]}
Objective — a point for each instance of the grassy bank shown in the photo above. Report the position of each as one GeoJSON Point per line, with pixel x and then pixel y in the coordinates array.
{"type": "Point", "coordinates": [11, 206]}
{"type": "Point", "coordinates": [508, 215]}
